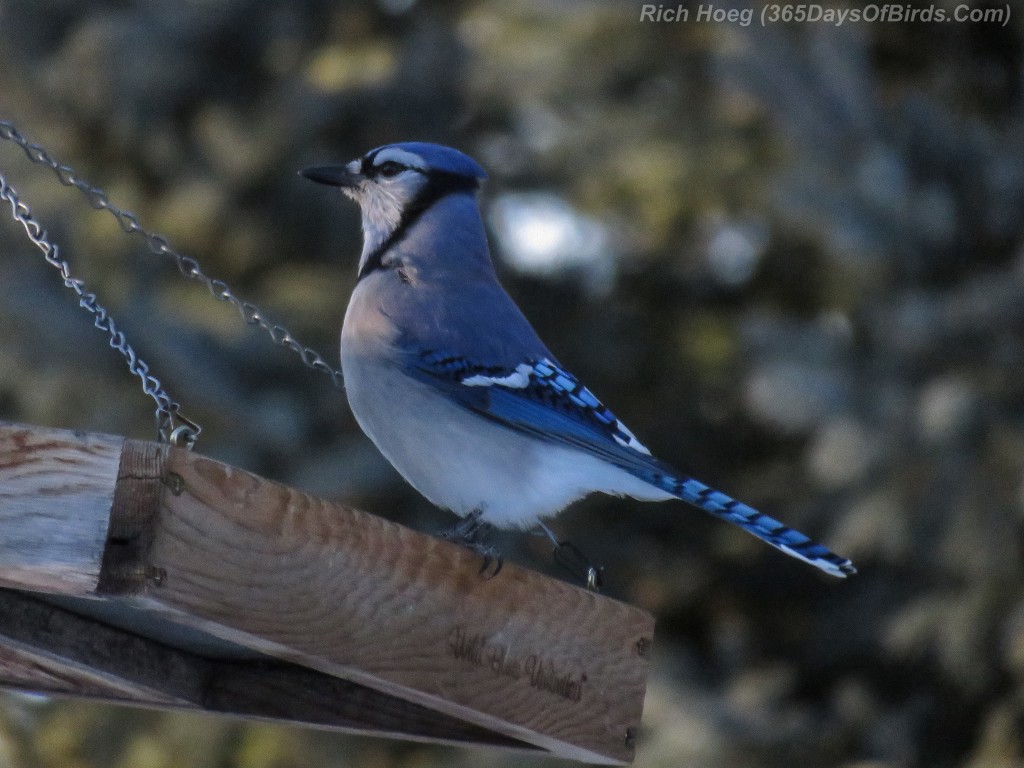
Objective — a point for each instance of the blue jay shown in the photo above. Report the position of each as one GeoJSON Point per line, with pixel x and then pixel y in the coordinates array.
{"type": "Point", "coordinates": [449, 380]}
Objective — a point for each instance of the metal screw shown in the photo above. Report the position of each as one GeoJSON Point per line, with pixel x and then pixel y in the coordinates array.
{"type": "Point", "coordinates": [643, 647]}
{"type": "Point", "coordinates": [175, 482]}
{"type": "Point", "coordinates": [630, 740]}
{"type": "Point", "coordinates": [156, 575]}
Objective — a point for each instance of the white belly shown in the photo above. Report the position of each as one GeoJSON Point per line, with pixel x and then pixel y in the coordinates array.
{"type": "Point", "coordinates": [458, 460]}
{"type": "Point", "coordinates": [463, 462]}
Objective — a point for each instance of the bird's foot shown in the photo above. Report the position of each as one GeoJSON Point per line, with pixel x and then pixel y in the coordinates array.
{"type": "Point", "coordinates": [471, 532]}
{"type": "Point", "coordinates": [569, 556]}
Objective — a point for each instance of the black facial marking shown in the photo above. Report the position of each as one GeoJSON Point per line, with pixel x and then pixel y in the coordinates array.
{"type": "Point", "coordinates": [390, 169]}
{"type": "Point", "coordinates": [439, 185]}
{"type": "Point", "coordinates": [366, 164]}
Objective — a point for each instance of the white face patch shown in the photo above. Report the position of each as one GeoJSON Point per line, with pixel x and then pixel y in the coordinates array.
{"type": "Point", "coordinates": [382, 200]}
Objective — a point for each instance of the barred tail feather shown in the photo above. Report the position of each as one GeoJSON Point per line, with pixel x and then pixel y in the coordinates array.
{"type": "Point", "coordinates": [768, 529]}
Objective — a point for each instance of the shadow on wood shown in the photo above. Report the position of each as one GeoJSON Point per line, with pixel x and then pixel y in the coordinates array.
{"type": "Point", "coordinates": [168, 579]}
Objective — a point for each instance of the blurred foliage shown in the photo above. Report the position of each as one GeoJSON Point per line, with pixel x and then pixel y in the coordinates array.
{"type": "Point", "coordinates": [816, 302]}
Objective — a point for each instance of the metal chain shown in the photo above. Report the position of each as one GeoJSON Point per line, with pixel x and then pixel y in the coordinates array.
{"type": "Point", "coordinates": [189, 267]}
{"type": "Point", "coordinates": [172, 426]}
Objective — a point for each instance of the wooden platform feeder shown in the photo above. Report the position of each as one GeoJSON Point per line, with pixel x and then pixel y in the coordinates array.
{"type": "Point", "coordinates": [136, 572]}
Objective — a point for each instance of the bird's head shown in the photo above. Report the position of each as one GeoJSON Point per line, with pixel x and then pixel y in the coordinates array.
{"type": "Point", "coordinates": [395, 183]}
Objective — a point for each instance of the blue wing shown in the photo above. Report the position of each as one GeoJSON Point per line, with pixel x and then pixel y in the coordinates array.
{"type": "Point", "coordinates": [541, 399]}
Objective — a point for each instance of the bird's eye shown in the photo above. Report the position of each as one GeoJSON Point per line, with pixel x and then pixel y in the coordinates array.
{"type": "Point", "coordinates": [390, 169]}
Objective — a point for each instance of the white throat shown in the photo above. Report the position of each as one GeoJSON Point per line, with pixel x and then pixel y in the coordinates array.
{"type": "Point", "coordinates": [381, 205]}
{"type": "Point", "coordinates": [382, 213]}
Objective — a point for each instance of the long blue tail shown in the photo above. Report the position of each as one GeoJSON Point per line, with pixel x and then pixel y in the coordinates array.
{"type": "Point", "coordinates": [768, 529]}
{"type": "Point", "coordinates": [541, 399]}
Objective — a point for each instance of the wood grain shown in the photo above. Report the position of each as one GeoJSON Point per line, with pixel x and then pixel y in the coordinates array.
{"type": "Point", "coordinates": [44, 647]}
{"type": "Point", "coordinates": [136, 505]}
{"type": "Point", "coordinates": [56, 492]}
{"type": "Point", "coordinates": [386, 620]}
{"type": "Point", "coordinates": [370, 601]}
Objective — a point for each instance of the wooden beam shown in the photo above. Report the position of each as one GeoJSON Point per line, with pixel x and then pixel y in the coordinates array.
{"type": "Point", "coordinates": [51, 648]}
{"type": "Point", "coordinates": [56, 491]}
{"type": "Point", "coordinates": [350, 595]}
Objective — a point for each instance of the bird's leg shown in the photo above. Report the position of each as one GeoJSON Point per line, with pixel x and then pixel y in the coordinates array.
{"type": "Point", "coordinates": [569, 556]}
{"type": "Point", "coordinates": [471, 532]}
{"type": "Point", "coordinates": [467, 530]}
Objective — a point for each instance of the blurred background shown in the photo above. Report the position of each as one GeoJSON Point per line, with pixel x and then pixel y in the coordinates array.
{"type": "Point", "coordinates": [790, 258]}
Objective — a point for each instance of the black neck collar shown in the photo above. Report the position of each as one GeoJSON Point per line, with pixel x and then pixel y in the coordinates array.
{"type": "Point", "coordinates": [439, 185]}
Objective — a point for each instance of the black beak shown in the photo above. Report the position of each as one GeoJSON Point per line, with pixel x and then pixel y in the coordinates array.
{"type": "Point", "coordinates": [332, 175]}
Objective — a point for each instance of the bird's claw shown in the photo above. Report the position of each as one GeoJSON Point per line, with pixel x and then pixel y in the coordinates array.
{"type": "Point", "coordinates": [470, 532]}
{"type": "Point", "coordinates": [569, 556]}
{"type": "Point", "coordinates": [490, 557]}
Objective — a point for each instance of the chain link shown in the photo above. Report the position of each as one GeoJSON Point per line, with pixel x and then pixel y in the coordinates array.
{"type": "Point", "coordinates": [189, 267]}
{"type": "Point", "coordinates": [172, 426]}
